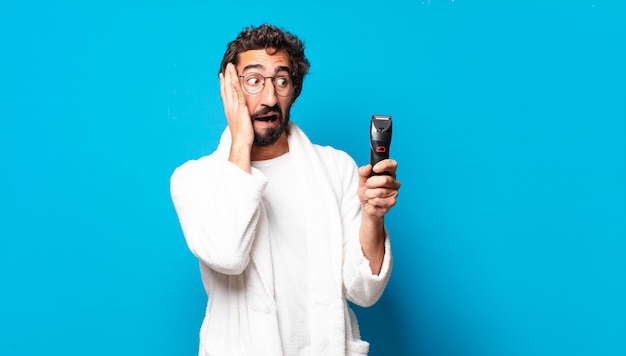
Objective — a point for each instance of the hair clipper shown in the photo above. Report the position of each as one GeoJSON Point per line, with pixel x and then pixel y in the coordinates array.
{"type": "Point", "coordinates": [380, 140]}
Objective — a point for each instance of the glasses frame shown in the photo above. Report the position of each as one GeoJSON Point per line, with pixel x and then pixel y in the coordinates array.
{"type": "Point", "coordinates": [273, 80]}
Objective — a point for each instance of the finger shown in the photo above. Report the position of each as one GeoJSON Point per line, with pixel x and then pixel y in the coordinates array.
{"type": "Point", "coordinates": [374, 210]}
{"type": "Point", "coordinates": [223, 89]}
{"type": "Point", "coordinates": [232, 84]}
{"type": "Point", "coordinates": [365, 171]}
{"type": "Point", "coordinates": [382, 206]}
{"type": "Point", "coordinates": [380, 193]}
{"type": "Point", "coordinates": [384, 181]}
{"type": "Point", "coordinates": [386, 165]}
{"type": "Point", "coordinates": [227, 87]}
{"type": "Point", "coordinates": [236, 86]}
{"type": "Point", "coordinates": [383, 203]}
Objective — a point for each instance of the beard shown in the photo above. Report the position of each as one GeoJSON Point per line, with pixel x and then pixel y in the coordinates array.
{"type": "Point", "coordinates": [271, 135]}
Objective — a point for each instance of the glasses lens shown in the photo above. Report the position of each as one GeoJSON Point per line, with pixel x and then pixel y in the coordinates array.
{"type": "Point", "coordinates": [253, 83]}
{"type": "Point", "coordinates": [282, 85]}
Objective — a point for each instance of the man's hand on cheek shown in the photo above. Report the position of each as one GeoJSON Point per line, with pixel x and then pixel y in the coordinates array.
{"type": "Point", "coordinates": [235, 108]}
{"type": "Point", "coordinates": [238, 117]}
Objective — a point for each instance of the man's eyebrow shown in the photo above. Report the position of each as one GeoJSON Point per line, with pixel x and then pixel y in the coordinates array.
{"type": "Point", "coordinates": [253, 66]}
{"type": "Point", "coordinates": [282, 69]}
{"type": "Point", "coordinates": [262, 67]}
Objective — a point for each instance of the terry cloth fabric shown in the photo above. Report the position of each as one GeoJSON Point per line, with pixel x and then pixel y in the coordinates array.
{"type": "Point", "coordinates": [242, 286]}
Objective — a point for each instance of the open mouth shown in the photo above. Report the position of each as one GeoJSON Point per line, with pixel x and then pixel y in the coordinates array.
{"type": "Point", "coordinates": [267, 118]}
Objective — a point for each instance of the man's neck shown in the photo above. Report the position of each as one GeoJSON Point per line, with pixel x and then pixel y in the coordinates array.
{"type": "Point", "coordinates": [276, 150]}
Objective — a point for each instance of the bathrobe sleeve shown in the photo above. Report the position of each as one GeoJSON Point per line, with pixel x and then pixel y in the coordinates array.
{"type": "Point", "coordinates": [360, 285]}
{"type": "Point", "coordinates": [218, 206]}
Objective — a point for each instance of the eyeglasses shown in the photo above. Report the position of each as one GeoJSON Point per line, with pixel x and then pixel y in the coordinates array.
{"type": "Point", "coordinates": [253, 83]}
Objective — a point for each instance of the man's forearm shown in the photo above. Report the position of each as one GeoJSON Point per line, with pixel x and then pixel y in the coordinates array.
{"type": "Point", "coordinates": [240, 156]}
{"type": "Point", "coordinates": [372, 238]}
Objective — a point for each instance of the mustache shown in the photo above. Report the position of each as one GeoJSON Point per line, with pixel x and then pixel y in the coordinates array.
{"type": "Point", "coordinates": [267, 110]}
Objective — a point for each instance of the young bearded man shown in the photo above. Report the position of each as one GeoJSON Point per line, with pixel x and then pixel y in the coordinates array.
{"type": "Point", "coordinates": [286, 231]}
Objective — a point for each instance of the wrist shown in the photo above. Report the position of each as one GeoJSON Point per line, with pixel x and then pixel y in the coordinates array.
{"type": "Point", "coordinates": [372, 228]}
{"type": "Point", "coordinates": [373, 222]}
{"type": "Point", "coordinates": [240, 156]}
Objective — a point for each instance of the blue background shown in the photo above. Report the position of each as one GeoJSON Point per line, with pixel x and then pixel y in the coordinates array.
{"type": "Point", "coordinates": [510, 132]}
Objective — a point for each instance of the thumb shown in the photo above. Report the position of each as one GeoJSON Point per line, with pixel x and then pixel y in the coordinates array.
{"type": "Point", "coordinates": [365, 171]}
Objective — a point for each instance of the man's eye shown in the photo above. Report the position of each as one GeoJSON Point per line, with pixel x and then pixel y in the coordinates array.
{"type": "Point", "coordinates": [282, 81]}
{"type": "Point", "coordinates": [253, 80]}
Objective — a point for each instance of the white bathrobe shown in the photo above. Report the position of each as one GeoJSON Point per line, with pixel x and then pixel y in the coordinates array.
{"type": "Point", "coordinates": [225, 225]}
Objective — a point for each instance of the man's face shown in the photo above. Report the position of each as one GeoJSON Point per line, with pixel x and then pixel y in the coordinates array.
{"type": "Point", "coordinates": [269, 112]}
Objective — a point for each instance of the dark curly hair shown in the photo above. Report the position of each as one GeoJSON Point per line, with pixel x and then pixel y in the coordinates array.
{"type": "Point", "coordinates": [273, 40]}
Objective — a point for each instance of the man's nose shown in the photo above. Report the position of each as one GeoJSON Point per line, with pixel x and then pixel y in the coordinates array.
{"type": "Point", "coordinates": [268, 94]}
